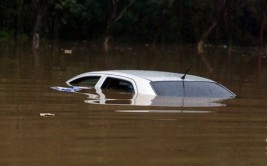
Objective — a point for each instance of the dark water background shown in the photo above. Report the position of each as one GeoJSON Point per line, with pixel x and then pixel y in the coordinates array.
{"type": "Point", "coordinates": [41, 127]}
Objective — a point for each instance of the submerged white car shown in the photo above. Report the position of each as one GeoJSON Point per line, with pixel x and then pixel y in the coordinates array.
{"type": "Point", "coordinates": [155, 83]}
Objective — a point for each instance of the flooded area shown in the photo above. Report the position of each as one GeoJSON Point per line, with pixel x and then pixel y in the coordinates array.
{"type": "Point", "coordinates": [40, 126]}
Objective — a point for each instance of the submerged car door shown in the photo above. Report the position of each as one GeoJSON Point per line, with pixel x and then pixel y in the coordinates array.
{"type": "Point", "coordinates": [117, 84]}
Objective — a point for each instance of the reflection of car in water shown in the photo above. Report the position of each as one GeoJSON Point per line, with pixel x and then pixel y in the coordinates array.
{"type": "Point", "coordinates": [138, 87]}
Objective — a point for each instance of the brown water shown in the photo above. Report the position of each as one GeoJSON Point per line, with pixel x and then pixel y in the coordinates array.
{"type": "Point", "coordinates": [40, 126]}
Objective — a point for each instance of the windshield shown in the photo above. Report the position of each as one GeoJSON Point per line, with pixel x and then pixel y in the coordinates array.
{"type": "Point", "coordinates": [191, 89]}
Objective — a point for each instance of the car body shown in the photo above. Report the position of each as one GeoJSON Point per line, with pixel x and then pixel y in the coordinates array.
{"type": "Point", "coordinates": [153, 83]}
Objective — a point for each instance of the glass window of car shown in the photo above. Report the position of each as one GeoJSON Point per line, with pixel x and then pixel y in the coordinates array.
{"type": "Point", "coordinates": [116, 84]}
{"type": "Point", "coordinates": [190, 89]}
{"type": "Point", "coordinates": [88, 81]}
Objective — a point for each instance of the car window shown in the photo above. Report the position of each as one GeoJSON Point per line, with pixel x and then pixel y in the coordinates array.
{"type": "Point", "coordinates": [88, 81]}
{"type": "Point", "coordinates": [116, 84]}
{"type": "Point", "coordinates": [190, 89]}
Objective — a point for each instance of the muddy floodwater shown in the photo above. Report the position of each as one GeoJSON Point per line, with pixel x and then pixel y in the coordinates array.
{"type": "Point", "coordinates": [40, 126]}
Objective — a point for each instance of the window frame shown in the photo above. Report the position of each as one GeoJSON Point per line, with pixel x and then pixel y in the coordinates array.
{"type": "Point", "coordinates": [103, 79]}
{"type": "Point", "coordinates": [84, 77]}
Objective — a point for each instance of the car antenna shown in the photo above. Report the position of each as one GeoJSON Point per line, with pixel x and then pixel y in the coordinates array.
{"type": "Point", "coordinates": [200, 52]}
{"type": "Point", "coordinates": [183, 77]}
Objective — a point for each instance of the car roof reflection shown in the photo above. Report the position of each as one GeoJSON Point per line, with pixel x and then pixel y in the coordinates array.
{"type": "Point", "coordinates": [99, 96]}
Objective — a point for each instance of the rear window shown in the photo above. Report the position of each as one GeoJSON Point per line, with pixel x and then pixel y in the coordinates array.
{"type": "Point", "coordinates": [85, 81]}
{"type": "Point", "coordinates": [190, 89]}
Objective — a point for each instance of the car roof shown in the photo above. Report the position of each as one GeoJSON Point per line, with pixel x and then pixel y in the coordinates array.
{"type": "Point", "coordinates": [151, 75]}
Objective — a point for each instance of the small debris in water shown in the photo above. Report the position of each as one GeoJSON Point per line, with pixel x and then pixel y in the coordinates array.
{"type": "Point", "coordinates": [66, 89]}
{"type": "Point", "coordinates": [67, 51]}
{"type": "Point", "coordinates": [166, 119]}
{"type": "Point", "coordinates": [47, 115]}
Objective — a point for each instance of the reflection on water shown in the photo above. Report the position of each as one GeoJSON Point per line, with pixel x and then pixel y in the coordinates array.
{"type": "Point", "coordinates": [147, 100]}
{"type": "Point", "coordinates": [164, 111]}
{"type": "Point", "coordinates": [98, 96]}
{"type": "Point", "coordinates": [157, 101]}
{"type": "Point", "coordinates": [40, 126]}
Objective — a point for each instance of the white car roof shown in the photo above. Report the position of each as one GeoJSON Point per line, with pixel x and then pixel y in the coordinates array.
{"type": "Point", "coordinates": [141, 79]}
{"type": "Point", "coordinates": [151, 75]}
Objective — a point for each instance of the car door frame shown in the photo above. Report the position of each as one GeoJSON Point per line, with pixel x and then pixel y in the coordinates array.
{"type": "Point", "coordinates": [105, 76]}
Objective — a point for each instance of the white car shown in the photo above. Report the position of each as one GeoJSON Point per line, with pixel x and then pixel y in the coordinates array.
{"type": "Point", "coordinates": [155, 83]}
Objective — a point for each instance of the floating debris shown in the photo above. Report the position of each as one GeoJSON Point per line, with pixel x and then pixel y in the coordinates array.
{"type": "Point", "coordinates": [66, 89]}
{"type": "Point", "coordinates": [67, 51]}
{"type": "Point", "coordinates": [47, 115]}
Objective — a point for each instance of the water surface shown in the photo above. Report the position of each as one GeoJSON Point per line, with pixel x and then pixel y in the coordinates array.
{"type": "Point", "coordinates": [40, 126]}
